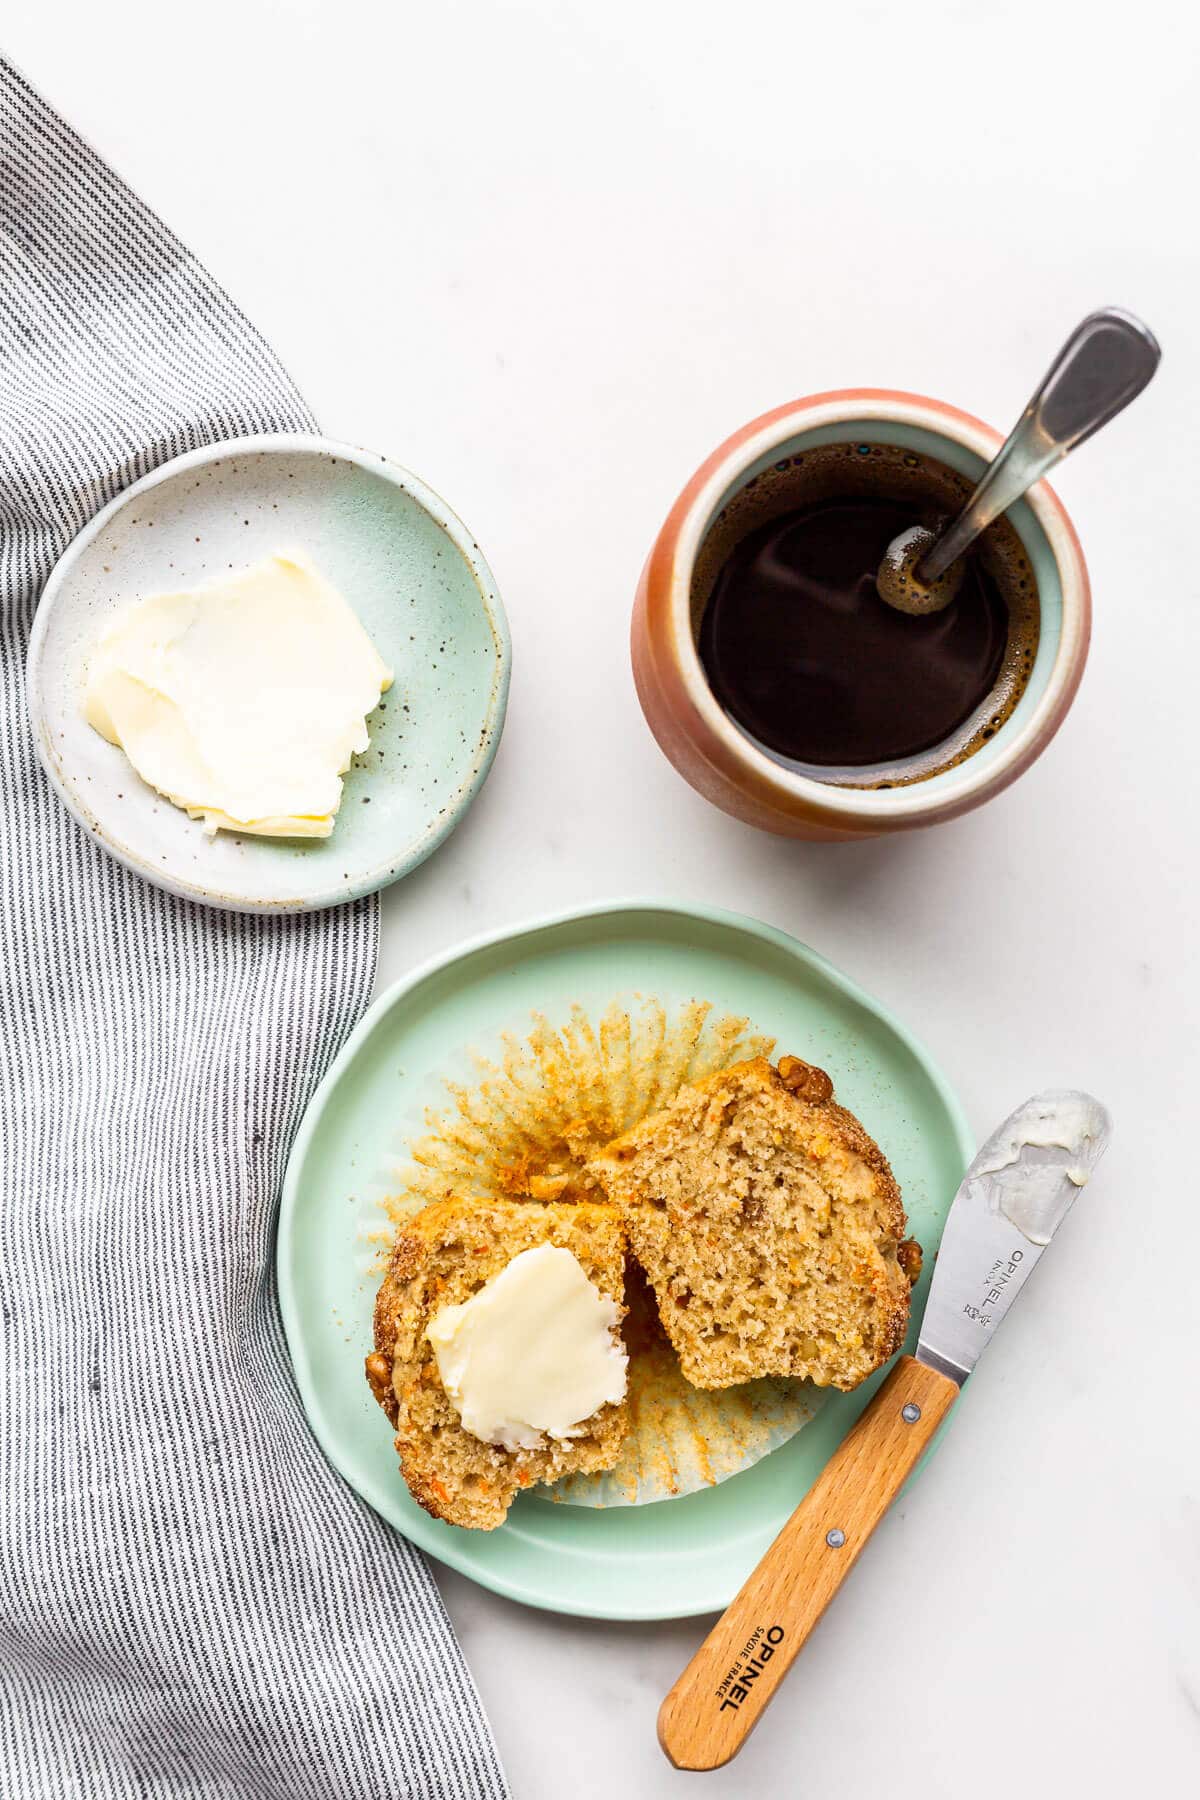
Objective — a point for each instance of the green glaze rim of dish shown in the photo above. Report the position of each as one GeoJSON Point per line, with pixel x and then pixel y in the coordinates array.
{"type": "Point", "coordinates": [387, 861]}
{"type": "Point", "coordinates": [481, 1555]}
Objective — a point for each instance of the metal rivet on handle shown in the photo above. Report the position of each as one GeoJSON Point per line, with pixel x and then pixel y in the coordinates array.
{"type": "Point", "coordinates": [835, 1538]}
{"type": "Point", "coordinates": [910, 1413]}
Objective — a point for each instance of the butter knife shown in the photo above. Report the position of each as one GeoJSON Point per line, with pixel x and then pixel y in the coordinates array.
{"type": "Point", "coordinates": [1011, 1201]}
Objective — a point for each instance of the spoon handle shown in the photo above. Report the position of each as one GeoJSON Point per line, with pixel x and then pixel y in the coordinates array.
{"type": "Point", "coordinates": [1104, 364]}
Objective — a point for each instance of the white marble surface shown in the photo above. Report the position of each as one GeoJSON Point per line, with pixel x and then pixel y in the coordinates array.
{"type": "Point", "coordinates": [548, 254]}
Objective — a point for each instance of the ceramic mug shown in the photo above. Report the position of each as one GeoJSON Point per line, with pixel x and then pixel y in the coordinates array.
{"type": "Point", "coordinates": [704, 743]}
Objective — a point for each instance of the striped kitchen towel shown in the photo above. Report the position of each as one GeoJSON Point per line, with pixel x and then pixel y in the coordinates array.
{"type": "Point", "coordinates": [192, 1604]}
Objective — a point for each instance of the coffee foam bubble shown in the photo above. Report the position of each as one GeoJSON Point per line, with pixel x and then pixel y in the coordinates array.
{"type": "Point", "coordinates": [899, 584]}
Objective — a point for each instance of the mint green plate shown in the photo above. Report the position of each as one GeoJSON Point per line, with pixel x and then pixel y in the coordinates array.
{"type": "Point", "coordinates": [674, 1557]}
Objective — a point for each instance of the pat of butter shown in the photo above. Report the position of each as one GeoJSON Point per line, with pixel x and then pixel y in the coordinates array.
{"type": "Point", "coordinates": [533, 1354]}
{"type": "Point", "coordinates": [243, 701]}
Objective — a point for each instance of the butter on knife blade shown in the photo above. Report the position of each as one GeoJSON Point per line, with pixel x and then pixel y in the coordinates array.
{"type": "Point", "coordinates": [1011, 1201]}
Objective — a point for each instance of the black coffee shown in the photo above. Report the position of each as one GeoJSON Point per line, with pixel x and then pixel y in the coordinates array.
{"type": "Point", "coordinates": [803, 654]}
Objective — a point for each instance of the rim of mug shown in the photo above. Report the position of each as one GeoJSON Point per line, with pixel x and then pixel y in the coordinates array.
{"type": "Point", "coordinates": [957, 786]}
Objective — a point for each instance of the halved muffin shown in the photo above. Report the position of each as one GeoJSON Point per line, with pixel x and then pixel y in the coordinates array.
{"type": "Point", "coordinates": [770, 1226]}
{"type": "Point", "coordinates": [444, 1257]}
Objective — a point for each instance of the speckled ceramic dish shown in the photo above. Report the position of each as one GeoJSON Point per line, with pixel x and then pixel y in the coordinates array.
{"type": "Point", "coordinates": [416, 579]}
{"type": "Point", "coordinates": [672, 1557]}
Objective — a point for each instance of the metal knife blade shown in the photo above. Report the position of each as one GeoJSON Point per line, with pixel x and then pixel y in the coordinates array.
{"type": "Point", "coordinates": [1011, 1201]}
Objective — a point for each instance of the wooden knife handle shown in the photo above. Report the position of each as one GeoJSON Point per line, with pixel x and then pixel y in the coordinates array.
{"type": "Point", "coordinates": [727, 1686]}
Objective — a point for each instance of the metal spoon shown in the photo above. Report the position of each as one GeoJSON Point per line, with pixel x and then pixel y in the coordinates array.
{"type": "Point", "coordinates": [1104, 364]}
